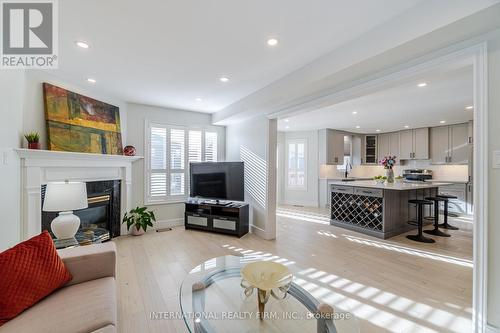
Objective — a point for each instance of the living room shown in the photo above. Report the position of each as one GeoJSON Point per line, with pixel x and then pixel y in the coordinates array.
{"type": "Point", "coordinates": [143, 176]}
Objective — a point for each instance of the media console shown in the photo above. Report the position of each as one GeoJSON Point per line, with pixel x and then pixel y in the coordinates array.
{"type": "Point", "coordinates": [216, 216]}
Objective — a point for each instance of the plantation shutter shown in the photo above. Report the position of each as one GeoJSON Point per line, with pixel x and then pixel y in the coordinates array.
{"type": "Point", "coordinates": [177, 162]}
{"type": "Point", "coordinates": [158, 158]}
{"type": "Point", "coordinates": [211, 146]}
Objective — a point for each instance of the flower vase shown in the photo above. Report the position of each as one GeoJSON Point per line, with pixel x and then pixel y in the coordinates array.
{"type": "Point", "coordinates": [389, 173]}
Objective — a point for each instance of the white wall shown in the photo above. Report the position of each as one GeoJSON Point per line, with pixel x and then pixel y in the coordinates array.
{"type": "Point", "coordinates": [138, 115]}
{"type": "Point", "coordinates": [11, 112]}
{"type": "Point", "coordinates": [494, 181]}
{"type": "Point", "coordinates": [34, 112]}
{"type": "Point", "coordinates": [254, 142]}
{"type": "Point", "coordinates": [303, 197]}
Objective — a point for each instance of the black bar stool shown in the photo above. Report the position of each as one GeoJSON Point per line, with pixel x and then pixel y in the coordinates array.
{"type": "Point", "coordinates": [446, 200]}
{"type": "Point", "coordinates": [436, 231]}
{"type": "Point", "coordinates": [420, 212]}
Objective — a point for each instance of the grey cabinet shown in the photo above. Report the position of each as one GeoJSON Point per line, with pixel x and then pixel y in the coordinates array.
{"type": "Point", "coordinates": [450, 144]}
{"type": "Point", "coordinates": [388, 145]}
{"type": "Point", "coordinates": [331, 147]}
{"type": "Point", "coordinates": [414, 144]}
{"type": "Point", "coordinates": [369, 149]}
{"type": "Point", "coordinates": [456, 206]}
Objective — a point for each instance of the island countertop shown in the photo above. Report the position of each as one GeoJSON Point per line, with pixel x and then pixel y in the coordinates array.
{"type": "Point", "coordinates": [396, 186]}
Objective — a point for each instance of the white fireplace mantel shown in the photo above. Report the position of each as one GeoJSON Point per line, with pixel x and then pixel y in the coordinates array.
{"type": "Point", "coordinates": [40, 167]}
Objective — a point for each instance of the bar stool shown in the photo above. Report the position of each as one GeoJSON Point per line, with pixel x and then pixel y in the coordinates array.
{"type": "Point", "coordinates": [420, 212]}
{"type": "Point", "coordinates": [446, 200]}
{"type": "Point", "coordinates": [436, 231]}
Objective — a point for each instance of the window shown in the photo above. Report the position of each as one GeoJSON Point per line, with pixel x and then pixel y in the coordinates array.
{"type": "Point", "coordinates": [171, 149]}
{"type": "Point", "coordinates": [296, 156]}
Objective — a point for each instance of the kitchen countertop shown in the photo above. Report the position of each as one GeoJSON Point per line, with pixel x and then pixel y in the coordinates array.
{"type": "Point", "coordinates": [448, 181]}
{"type": "Point", "coordinates": [393, 187]}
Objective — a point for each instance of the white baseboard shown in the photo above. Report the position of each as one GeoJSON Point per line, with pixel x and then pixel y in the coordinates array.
{"type": "Point", "coordinates": [300, 203]}
{"type": "Point", "coordinates": [170, 223]}
{"type": "Point", "coordinates": [492, 329]}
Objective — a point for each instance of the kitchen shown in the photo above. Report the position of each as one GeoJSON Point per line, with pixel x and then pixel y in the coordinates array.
{"type": "Point", "coordinates": [426, 124]}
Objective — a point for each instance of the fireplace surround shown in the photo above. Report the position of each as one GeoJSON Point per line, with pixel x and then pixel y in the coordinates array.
{"type": "Point", "coordinates": [39, 167]}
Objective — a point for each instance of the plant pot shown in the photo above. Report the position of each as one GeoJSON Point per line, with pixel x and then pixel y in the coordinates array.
{"type": "Point", "coordinates": [135, 232]}
{"type": "Point", "coordinates": [33, 145]}
{"type": "Point", "coordinates": [389, 173]}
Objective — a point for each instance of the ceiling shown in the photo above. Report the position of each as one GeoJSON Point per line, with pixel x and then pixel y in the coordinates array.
{"type": "Point", "coordinates": [168, 53]}
{"type": "Point", "coordinates": [448, 92]}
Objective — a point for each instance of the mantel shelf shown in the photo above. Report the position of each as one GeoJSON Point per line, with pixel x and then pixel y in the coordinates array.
{"type": "Point", "coordinates": [62, 155]}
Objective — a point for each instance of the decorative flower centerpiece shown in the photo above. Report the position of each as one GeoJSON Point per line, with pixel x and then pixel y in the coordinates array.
{"type": "Point", "coordinates": [388, 162]}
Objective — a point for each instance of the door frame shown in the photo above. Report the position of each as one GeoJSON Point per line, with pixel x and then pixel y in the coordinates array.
{"type": "Point", "coordinates": [477, 54]}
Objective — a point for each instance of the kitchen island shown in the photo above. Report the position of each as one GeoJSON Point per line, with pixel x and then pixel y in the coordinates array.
{"type": "Point", "coordinates": [380, 210]}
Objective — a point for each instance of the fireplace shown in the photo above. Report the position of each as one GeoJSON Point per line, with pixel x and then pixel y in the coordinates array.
{"type": "Point", "coordinates": [103, 210]}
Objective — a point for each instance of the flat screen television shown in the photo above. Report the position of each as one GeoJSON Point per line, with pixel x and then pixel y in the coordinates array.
{"type": "Point", "coordinates": [217, 180]}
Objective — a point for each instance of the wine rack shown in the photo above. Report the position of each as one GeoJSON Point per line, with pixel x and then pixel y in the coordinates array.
{"type": "Point", "coordinates": [359, 210]}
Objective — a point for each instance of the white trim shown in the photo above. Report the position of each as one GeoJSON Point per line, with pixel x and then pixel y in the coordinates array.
{"type": "Point", "coordinates": [466, 50]}
{"type": "Point", "coordinates": [260, 232]}
{"type": "Point", "coordinates": [169, 223]}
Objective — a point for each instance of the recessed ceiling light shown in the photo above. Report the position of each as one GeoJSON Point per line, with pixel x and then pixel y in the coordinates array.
{"type": "Point", "coordinates": [287, 120]}
{"type": "Point", "coordinates": [407, 126]}
{"type": "Point", "coordinates": [470, 107]}
{"type": "Point", "coordinates": [198, 99]}
{"type": "Point", "coordinates": [224, 79]}
{"type": "Point", "coordinates": [423, 84]}
{"type": "Point", "coordinates": [442, 121]}
{"type": "Point", "coordinates": [358, 126]}
{"type": "Point", "coordinates": [82, 44]}
{"type": "Point", "coordinates": [272, 42]}
{"type": "Point", "coordinates": [377, 130]}
{"type": "Point", "coordinates": [354, 112]}
{"type": "Point", "coordinates": [91, 80]}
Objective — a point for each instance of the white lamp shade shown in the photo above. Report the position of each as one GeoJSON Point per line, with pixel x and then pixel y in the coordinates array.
{"type": "Point", "coordinates": [67, 196]}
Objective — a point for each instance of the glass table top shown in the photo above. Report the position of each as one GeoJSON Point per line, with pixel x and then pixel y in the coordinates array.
{"type": "Point", "coordinates": [212, 300]}
{"type": "Point", "coordinates": [84, 236]}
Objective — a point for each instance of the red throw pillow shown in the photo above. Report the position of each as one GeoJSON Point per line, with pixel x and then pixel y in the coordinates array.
{"type": "Point", "coordinates": [28, 272]}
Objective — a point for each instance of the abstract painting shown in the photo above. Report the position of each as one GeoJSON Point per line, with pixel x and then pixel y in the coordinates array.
{"type": "Point", "coordinates": [78, 123]}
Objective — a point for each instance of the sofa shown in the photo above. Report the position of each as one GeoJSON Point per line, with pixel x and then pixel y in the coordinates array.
{"type": "Point", "coordinates": [85, 304]}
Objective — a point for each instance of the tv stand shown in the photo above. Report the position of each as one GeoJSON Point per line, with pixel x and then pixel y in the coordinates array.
{"type": "Point", "coordinates": [219, 216]}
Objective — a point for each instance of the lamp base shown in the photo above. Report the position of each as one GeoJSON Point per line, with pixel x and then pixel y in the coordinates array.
{"type": "Point", "coordinates": [65, 225]}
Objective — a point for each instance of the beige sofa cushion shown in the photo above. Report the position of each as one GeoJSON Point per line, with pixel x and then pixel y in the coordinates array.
{"type": "Point", "coordinates": [80, 308]}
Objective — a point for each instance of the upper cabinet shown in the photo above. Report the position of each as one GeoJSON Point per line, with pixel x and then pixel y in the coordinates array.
{"type": "Point", "coordinates": [451, 144]}
{"type": "Point", "coordinates": [369, 149]}
{"type": "Point", "coordinates": [414, 144]}
{"type": "Point", "coordinates": [331, 147]}
{"type": "Point", "coordinates": [388, 145]}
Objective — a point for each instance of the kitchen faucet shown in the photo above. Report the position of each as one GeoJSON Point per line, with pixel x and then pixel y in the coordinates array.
{"type": "Point", "coordinates": [348, 167]}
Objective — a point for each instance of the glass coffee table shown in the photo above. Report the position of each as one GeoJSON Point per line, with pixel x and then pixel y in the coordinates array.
{"type": "Point", "coordinates": [212, 300]}
{"type": "Point", "coordinates": [84, 236]}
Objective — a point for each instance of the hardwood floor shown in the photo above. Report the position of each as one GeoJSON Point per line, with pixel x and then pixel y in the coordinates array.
{"type": "Point", "coordinates": [393, 285]}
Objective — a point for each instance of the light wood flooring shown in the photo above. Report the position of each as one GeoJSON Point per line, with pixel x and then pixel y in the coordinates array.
{"type": "Point", "coordinates": [393, 285]}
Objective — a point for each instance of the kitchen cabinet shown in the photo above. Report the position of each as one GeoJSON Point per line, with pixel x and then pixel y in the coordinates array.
{"type": "Point", "coordinates": [456, 206]}
{"type": "Point", "coordinates": [331, 147]}
{"type": "Point", "coordinates": [414, 144]}
{"type": "Point", "coordinates": [450, 144]}
{"type": "Point", "coordinates": [388, 145]}
{"type": "Point", "coordinates": [369, 149]}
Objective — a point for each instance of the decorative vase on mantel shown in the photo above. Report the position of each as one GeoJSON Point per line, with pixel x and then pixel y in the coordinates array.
{"type": "Point", "coordinates": [389, 173]}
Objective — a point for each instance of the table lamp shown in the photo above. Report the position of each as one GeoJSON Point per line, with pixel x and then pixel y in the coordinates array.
{"type": "Point", "coordinates": [65, 197]}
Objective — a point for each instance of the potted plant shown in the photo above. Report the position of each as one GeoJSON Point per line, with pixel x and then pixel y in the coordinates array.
{"type": "Point", "coordinates": [388, 162]}
{"type": "Point", "coordinates": [139, 219]}
{"type": "Point", "coordinates": [33, 139]}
